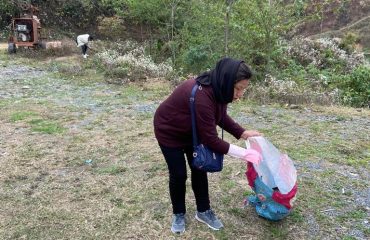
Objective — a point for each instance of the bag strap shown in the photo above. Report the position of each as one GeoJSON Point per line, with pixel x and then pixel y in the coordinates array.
{"type": "Point", "coordinates": [192, 110]}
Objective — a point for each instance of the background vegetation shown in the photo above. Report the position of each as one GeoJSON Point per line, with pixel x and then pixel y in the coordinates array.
{"type": "Point", "coordinates": [192, 35]}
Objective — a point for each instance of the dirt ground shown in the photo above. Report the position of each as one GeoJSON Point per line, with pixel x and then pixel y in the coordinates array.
{"type": "Point", "coordinates": [78, 160]}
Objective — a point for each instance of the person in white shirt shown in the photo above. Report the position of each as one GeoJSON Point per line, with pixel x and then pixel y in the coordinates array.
{"type": "Point", "coordinates": [83, 41]}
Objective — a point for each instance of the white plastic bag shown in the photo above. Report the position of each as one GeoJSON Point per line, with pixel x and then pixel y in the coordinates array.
{"type": "Point", "coordinates": [276, 169]}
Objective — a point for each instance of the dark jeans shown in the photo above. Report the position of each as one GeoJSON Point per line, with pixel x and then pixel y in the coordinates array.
{"type": "Point", "coordinates": [84, 49]}
{"type": "Point", "coordinates": [175, 158]}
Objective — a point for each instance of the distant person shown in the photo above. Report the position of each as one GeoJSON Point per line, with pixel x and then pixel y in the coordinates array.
{"type": "Point", "coordinates": [83, 42]}
{"type": "Point", "coordinates": [173, 129]}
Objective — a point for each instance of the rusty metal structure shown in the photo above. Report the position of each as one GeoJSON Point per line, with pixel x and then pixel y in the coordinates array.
{"type": "Point", "coordinates": [25, 29]}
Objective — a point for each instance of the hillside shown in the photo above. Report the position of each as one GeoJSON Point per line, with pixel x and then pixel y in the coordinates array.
{"type": "Point", "coordinates": [338, 18]}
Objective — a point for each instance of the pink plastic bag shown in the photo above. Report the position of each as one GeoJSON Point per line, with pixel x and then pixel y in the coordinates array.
{"type": "Point", "coordinates": [276, 169]}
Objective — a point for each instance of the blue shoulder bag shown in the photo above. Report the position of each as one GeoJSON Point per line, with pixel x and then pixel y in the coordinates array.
{"type": "Point", "coordinates": [204, 158]}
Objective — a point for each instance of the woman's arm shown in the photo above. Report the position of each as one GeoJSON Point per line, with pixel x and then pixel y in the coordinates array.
{"type": "Point", "coordinates": [236, 130]}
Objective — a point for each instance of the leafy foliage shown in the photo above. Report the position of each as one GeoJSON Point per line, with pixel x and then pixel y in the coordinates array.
{"type": "Point", "coordinates": [7, 10]}
{"type": "Point", "coordinates": [111, 27]}
{"type": "Point", "coordinates": [356, 87]}
{"type": "Point", "coordinates": [193, 35]}
{"type": "Point", "coordinates": [73, 16]}
{"type": "Point", "coordinates": [201, 38]}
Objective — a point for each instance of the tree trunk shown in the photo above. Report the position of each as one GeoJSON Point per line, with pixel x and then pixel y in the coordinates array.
{"type": "Point", "coordinates": [227, 29]}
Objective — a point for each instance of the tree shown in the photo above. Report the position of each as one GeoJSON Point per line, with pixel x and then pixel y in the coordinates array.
{"type": "Point", "coordinates": [7, 10]}
{"type": "Point", "coordinates": [201, 37]}
{"type": "Point", "coordinates": [227, 20]}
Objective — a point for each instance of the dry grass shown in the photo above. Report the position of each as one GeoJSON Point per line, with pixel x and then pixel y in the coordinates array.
{"type": "Point", "coordinates": [104, 177]}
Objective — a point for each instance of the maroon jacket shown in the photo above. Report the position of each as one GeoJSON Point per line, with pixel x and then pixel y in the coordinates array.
{"type": "Point", "coordinates": [172, 119]}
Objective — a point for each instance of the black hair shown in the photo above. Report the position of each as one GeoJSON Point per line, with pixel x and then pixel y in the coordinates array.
{"type": "Point", "coordinates": [244, 72]}
{"type": "Point", "coordinates": [90, 38]}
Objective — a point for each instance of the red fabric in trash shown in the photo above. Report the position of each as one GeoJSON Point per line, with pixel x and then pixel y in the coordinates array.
{"type": "Point", "coordinates": [251, 174]}
{"type": "Point", "coordinates": [283, 199]}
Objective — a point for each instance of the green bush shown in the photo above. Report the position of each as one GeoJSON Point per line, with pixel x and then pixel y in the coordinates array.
{"type": "Point", "coordinates": [355, 87]}
{"type": "Point", "coordinates": [349, 41]}
{"type": "Point", "coordinates": [118, 72]}
{"type": "Point", "coordinates": [196, 57]}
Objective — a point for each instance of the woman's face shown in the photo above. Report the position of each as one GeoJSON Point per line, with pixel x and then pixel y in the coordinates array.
{"type": "Point", "coordinates": [239, 88]}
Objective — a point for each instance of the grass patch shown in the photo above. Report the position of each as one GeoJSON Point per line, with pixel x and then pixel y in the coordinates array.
{"type": "Point", "coordinates": [296, 215]}
{"type": "Point", "coordinates": [308, 152]}
{"type": "Point", "coordinates": [358, 162]}
{"type": "Point", "coordinates": [335, 150]}
{"type": "Point", "coordinates": [319, 127]}
{"type": "Point", "coordinates": [46, 126]}
{"type": "Point", "coordinates": [111, 170]}
{"type": "Point", "coordinates": [349, 238]}
{"type": "Point", "coordinates": [277, 231]}
{"type": "Point", "coordinates": [19, 116]}
{"type": "Point", "coordinates": [354, 215]}
{"type": "Point", "coordinates": [131, 93]}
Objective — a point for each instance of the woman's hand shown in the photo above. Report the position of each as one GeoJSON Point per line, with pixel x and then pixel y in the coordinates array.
{"type": "Point", "coordinates": [249, 154]}
{"type": "Point", "coordinates": [250, 133]}
{"type": "Point", "coordinates": [252, 156]}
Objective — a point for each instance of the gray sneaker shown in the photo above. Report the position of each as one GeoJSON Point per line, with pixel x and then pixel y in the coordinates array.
{"type": "Point", "coordinates": [208, 217]}
{"type": "Point", "coordinates": [178, 223]}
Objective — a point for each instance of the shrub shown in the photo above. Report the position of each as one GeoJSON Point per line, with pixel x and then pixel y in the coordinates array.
{"type": "Point", "coordinates": [129, 62]}
{"type": "Point", "coordinates": [356, 87]}
{"type": "Point", "coordinates": [349, 41]}
{"type": "Point", "coordinates": [323, 54]}
{"type": "Point", "coordinates": [321, 68]}
{"type": "Point", "coordinates": [288, 91]}
{"type": "Point", "coordinates": [196, 57]}
{"type": "Point", "coordinates": [111, 27]}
